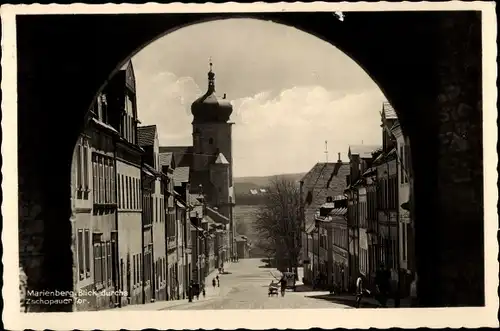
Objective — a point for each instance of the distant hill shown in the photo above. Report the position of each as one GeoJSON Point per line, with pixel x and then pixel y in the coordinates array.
{"type": "Point", "coordinates": [243, 185]}
{"type": "Point", "coordinates": [263, 181]}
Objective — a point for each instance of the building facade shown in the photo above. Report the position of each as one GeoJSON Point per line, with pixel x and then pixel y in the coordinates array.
{"type": "Point", "coordinates": [388, 197]}
{"type": "Point", "coordinates": [360, 237]}
{"type": "Point", "coordinates": [405, 222]}
{"type": "Point", "coordinates": [209, 162]}
{"type": "Point", "coordinates": [121, 98]}
{"type": "Point", "coordinates": [82, 206]}
{"type": "Point", "coordinates": [322, 181]}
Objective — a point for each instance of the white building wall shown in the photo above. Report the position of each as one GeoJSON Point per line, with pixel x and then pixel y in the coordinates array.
{"type": "Point", "coordinates": [130, 227]}
{"type": "Point", "coordinates": [404, 196]}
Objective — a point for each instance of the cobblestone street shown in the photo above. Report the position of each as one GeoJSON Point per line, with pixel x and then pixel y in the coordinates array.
{"type": "Point", "coordinates": [245, 287]}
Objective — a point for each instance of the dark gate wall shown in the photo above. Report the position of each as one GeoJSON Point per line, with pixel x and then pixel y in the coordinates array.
{"type": "Point", "coordinates": [428, 64]}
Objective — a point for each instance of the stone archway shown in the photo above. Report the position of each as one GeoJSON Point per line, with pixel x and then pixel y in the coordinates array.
{"type": "Point", "coordinates": [428, 64]}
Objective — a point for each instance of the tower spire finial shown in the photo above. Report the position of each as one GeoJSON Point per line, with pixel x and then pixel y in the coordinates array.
{"type": "Point", "coordinates": [211, 77]}
{"type": "Point", "coordinates": [326, 150]}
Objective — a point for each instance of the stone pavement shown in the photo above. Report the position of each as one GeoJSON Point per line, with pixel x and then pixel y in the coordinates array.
{"type": "Point", "coordinates": [210, 293]}
{"type": "Point", "coordinates": [245, 286]}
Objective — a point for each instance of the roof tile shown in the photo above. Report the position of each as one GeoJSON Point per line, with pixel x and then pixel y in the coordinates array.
{"type": "Point", "coordinates": [389, 111]}
{"type": "Point", "coordinates": [183, 155]}
{"type": "Point", "coordinates": [322, 181]}
{"type": "Point", "coordinates": [146, 135]}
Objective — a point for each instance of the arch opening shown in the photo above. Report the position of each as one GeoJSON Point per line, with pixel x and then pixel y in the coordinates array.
{"type": "Point", "coordinates": [386, 80]}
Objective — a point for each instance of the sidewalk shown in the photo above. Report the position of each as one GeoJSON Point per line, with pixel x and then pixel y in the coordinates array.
{"type": "Point", "coordinates": [210, 291]}
{"type": "Point", "coordinates": [350, 299]}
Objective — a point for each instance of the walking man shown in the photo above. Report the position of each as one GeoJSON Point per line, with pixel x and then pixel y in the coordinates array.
{"type": "Point", "coordinates": [213, 282]}
{"type": "Point", "coordinates": [218, 281]}
{"type": "Point", "coordinates": [359, 290]}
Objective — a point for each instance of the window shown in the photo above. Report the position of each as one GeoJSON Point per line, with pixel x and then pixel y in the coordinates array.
{"type": "Point", "coordinates": [106, 181]}
{"type": "Point", "coordinates": [86, 152]}
{"type": "Point", "coordinates": [402, 163]}
{"type": "Point", "coordinates": [113, 184]}
{"type": "Point", "coordinates": [81, 254]}
{"type": "Point", "coordinates": [108, 251]}
{"type": "Point", "coordinates": [135, 270]}
{"type": "Point", "coordinates": [101, 180]}
{"type": "Point", "coordinates": [140, 269]}
{"type": "Point", "coordinates": [87, 252]}
{"type": "Point", "coordinates": [134, 195]}
{"type": "Point", "coordinates": [211, 141]}
{"type": "Point", "coordinates": [95, 178]}
{"type": "Point", "coordinates": [407, 161]}
{"type": "Point", "coordinates": [104, 275]}
{"type": "Point", "coordinates": [97, 265]}
{"type": "Point", "coordinates": [123, 192]}
{"type": "Point", "coordinates": [78, 166]}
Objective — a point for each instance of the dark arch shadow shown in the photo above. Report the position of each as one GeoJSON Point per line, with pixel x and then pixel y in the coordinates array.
{"type": "Point", "coordinates": [415, 59]}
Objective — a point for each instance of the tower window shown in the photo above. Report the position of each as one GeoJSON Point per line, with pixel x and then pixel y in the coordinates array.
{"type": "Point", "coordinates": [211, 141]}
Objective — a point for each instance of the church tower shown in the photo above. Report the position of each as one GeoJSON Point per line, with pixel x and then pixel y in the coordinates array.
{"type": "Point", "coordinates": [212, 144]}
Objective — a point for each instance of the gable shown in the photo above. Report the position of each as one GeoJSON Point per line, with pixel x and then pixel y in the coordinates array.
{"type": "Point", "coordinates": [322, 181]}
{"type": "Point", "coordinates": [130, 76]}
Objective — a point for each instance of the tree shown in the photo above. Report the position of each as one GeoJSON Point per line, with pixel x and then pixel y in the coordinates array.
{"type": "Point", "coordinates": [278, 222]}
{"type": "Point", "coordinates": [241, 227]}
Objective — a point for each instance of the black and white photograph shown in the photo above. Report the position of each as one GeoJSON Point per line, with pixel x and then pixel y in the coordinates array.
{"type": "Point", "coordinates": [288, 165]}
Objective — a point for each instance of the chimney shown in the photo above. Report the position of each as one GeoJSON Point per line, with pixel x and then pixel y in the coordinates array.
{"type": "Point", "coordinates": [339, 160]}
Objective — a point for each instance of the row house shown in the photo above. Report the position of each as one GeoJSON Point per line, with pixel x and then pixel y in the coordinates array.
{"type": "Point", "coordinates": [331, 232]}
{"type": "Point", "coordinates": [108, 198]}
{"type": "Point", "coordinates": [155, 197]}
{"type": "Point", "coordinates": [378, 218]}
{"type": "Point", "coordinates": [360, 223]}
{"type": "Point", "coordinates": [243, 246]}
{"type": "Point", "coordinates": [121, 97]}
{"type": "Point", "coordinates": [406, 226]}
{"type": "Point", "coordinates": [322, 181]}
{"type": "Point", "coordinates": [95, 210]}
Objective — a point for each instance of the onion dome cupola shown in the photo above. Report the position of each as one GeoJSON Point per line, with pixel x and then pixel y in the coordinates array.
{"type": "Point", "coordinates": [210, 108]}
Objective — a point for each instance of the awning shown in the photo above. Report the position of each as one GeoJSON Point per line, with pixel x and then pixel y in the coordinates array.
{"type": "Point", "coordinates": [179, 204]}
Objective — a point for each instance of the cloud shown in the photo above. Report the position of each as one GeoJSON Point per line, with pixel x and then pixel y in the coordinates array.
{"type": "Point", "coordinates": [276, 131]}
{"type": "Point", "coordinates": [287, 133]}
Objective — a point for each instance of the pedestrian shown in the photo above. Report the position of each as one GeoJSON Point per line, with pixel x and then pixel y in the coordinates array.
{"type": "Point", "coordinates": [218, 281]}
{"type": "Point", "coordinates": [204, 293]}
{"type": "Point", "coordinates": [197, 291]}
{"type": "Point", "coordinates": [213, 282]}
{"type": "Point", "coordinates": [413, 292]}
{"type": "Point", "coordinates": [190, 291]}
{"type": "Point", "coordinates": [382, 285]}
{"type": "Point", "coordinates": [283, 285]}
{"type": "Point", "coordinates": [359, 290]}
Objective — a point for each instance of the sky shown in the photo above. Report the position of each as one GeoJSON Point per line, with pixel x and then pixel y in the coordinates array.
{"type": "Point", "coordinates": [290, 91]}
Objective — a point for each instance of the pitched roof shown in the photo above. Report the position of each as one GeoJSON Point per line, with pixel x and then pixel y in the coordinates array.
{"type": "Point", "coordinates": [146, 135]}
{"type": "Point", "coordinates": [166, 159]}
{"type": "Point", "coordinates": [221, 159]}
{"type": "Point", "coordinates": [364, 151]}
{"type": "Point", "coordinates": [389, 111]}
{"type": "Point", "coordinates": [183, 155]}
{"type": "Point", "coordinates": [322, 181]}
{"type": "Point", "coordinates": [181, 175]}
{"type": "Point", "coordinates": [218, 217]}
